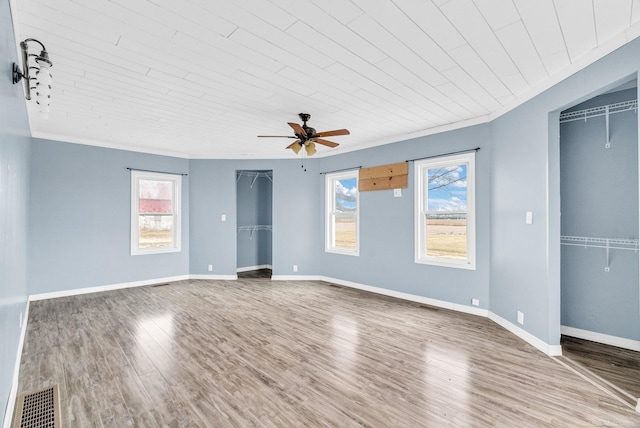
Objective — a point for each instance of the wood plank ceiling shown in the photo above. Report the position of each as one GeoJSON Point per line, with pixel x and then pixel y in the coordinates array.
{"type": "Point", "coordinates": [202, 78]}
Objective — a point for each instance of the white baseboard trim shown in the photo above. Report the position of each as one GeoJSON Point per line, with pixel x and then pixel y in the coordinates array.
{"type": "Point", "coordinates": [8, 414]}
{"type": "Point", "coordinates": [215, 277]}
{"type": "Point", "coordinates": [250, 268]}
{"type": "Point", "coordinates": [607, 339]}
{"type": "Point", "coordinates": [295, 278]}
{"type": "Point", "coordinates": [551, 350]}
{"type": "Point", "coordinates": [78, 291]}
{"type": "Point", "coordinates": [410, 297]}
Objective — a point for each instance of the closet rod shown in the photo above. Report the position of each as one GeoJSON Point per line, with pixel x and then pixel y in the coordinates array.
{"type": "Point", "coordinates": [158, 172]}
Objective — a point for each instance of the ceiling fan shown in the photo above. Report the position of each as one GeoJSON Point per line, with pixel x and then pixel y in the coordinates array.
{"type": "Point", "coordinates": [307, 136]}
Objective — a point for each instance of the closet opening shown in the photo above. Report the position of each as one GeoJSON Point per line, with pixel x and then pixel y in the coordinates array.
{"type": "Point", "coordinates": [254, 195]}
{"type": "Point", "coordinates": [599, 225]}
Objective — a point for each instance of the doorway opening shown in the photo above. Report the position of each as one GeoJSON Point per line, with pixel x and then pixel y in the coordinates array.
{"type": "Point", "coordinates": [254, 196]}
{"type": "Point", "coordinates": [599, 226]}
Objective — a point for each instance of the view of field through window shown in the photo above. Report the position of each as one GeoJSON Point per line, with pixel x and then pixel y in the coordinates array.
{"type": "Point", "coordinates": [446, 217]}
{"type": "Point", "coordinates": [344, 218]}
{"type": "Point", "coordinates": [155, 214]}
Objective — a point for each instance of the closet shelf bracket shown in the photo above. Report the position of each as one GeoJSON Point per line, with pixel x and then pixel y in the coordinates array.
{"type": "Point", "coordinates": [607, 145]}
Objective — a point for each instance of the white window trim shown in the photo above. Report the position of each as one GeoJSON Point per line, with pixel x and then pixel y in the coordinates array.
{"type": "Point", "coordinates": [136, 176]}
{"type": "Point", "coordinates": [329, 201]}
{"type": "Point", "coordinates": [420, 227]}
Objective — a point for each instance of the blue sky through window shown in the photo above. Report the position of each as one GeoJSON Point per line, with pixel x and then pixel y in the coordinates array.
{"type": "Point", "coordinates": [447, 190]}
{"type": "Point", "coordinates": [346, 194]}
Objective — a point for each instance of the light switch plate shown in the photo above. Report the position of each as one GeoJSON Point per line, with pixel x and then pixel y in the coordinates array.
{"type": "Point", "coordinates": [223, 217]}
{"type": "Point", "coordinates": [529, 217]}
{"type": "Point", "coordinates": [397, 193]}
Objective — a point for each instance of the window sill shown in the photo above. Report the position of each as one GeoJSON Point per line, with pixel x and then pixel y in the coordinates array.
{"type": "Point", "coordinates": [155, 251]}
{"type": "Point", "coordinates": [343, 252]}
{"type": "Point", "coordinates": [446, 263]}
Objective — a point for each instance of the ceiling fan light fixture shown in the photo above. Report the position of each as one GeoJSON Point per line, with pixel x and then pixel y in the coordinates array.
{"type": "Point", "coordinates": [296, 148]}
{"type": "Point", "coordinates": [308, 137]}
{"type": "Point", "coordinates": [310, 148]}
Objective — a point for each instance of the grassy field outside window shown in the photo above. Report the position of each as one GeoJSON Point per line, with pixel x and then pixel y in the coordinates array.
{"type": "Point", "coordinates": [342, 213]}
{"type": "Point", "coordinates": [445, 211]}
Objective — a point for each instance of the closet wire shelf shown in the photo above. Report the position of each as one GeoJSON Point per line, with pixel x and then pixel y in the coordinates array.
{"type": "Point", "coordinates": [599, 111]}
{"type": "Point", "coordinates": [606, 243]}
{"type": "Point", "coordinates": [253, 228]}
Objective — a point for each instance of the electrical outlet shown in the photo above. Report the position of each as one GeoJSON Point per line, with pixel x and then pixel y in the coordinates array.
{"type": "Point", "coordinates": [475, 302]}
{"type": "Point", "coordinates": [295, 268]}
{"type": "Point", "coordinates": [520, 318]}
{"type": "Point", "coordinates": [210, 268]}
{"type": "Point", "coordinates": [397, 193]}
{"type": "Point", "coordinates": [528, 218]}
{"type": "Point", "coordinates": [223, 217]}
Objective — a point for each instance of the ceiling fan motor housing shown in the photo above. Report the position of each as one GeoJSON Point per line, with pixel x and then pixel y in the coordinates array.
{"type": "Point", "coordinates": [309, 130]}
{"type": "Point", "coordinates": [304, 117]}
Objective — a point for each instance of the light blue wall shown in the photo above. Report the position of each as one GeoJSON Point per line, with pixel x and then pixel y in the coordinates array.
{"type": "Point", "coordinates": [254, 200]}
{"type": "Point", "coordinates": [80, 218]}
{"type": "Point", "coordinates": [296, 215]}
{"type": "Point", "coordinates": [79, 208]}
{"type": "Point", "coordinates": [599, 198]}
{"type": "Point", "coordinates": [386, 257]}
{"type": "Point", "coordinates": [14, 206]}
{"type": "Point", "coordinates": [525, 259]}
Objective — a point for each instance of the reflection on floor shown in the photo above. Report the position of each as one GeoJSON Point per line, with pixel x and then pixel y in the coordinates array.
{"type": "Point", "coordinates": [257, 352]}
{"type": "Point", "coordinates": [259, 273]}
{"type": "Point", "coordinates": [618, 368]}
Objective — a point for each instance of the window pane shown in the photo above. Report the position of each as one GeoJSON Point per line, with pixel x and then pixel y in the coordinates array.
{"type": "Point", "coordinates": [156, 196]}
{"type": "Point", "coordinates": [447, 235]}
{"type": "Point", "coordinates": [346, 193]}
{"type": "Point", "coordinates": [447, 188]}
{"type": "Point", "coordinates": [156, 231]}
{"type": "Point", "coordinates": [345, 230]}
{"type": "Point", "coordinates": [346, 204]}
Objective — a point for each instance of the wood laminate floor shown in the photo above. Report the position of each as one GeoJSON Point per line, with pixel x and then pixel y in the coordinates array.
{"type": "Point", "coordinates": [258, 273]}
{"type": "Point", "coordinates": [256, 352]}
{"type": "Point", "coordinates": [620, 368]}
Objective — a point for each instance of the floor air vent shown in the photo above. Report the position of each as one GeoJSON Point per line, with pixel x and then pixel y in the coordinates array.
{"type": "Point", "coordinates": [38, 409]}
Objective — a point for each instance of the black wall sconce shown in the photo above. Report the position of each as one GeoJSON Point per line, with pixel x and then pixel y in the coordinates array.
{"type": "Point", "coordinates": [36, 72]}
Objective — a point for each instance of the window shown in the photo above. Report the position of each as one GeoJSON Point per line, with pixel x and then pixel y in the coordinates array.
{"type": "Point", "coordinates": [445, 211]}
{"type": "Point", "coordinates": [155, 212]}
{"type": "Point", "coordinates": [342, 234]}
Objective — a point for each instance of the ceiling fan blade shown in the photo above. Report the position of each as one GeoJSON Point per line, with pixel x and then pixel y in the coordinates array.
{"type": "Point", "coordinates": [326, 142]}
{"type": "Point", "coordinates": [332, 133]}
{"type": "Point", "coordinates": [297, 129]}
{"type": "Point", "coordinates": [275, 136]}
